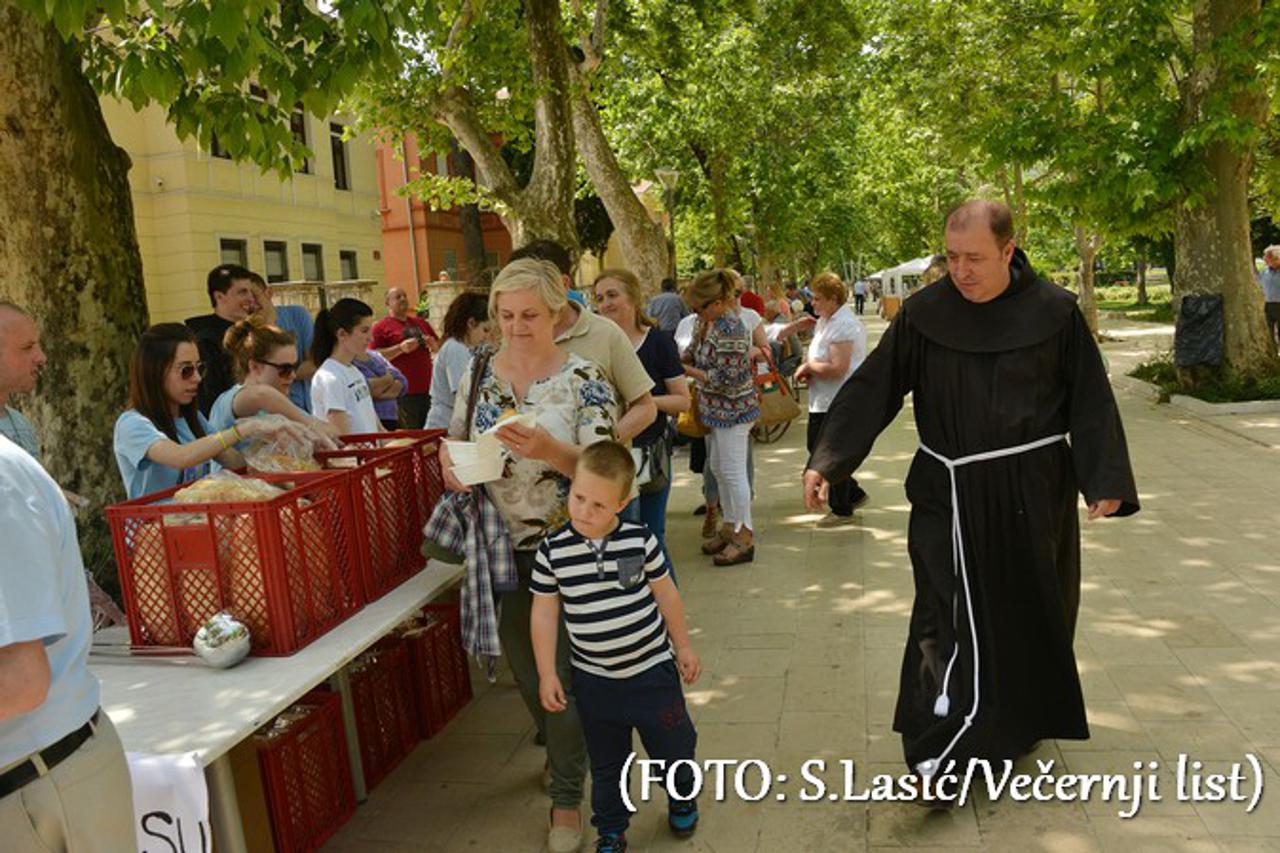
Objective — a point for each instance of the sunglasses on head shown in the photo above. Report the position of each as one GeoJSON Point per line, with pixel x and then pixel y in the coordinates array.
{"type": "Point", "coordinates": [186, 370]}
{"type": "Point", "coordinates": [287, 369]}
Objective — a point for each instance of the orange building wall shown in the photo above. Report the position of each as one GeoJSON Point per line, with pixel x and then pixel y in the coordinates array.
{"type": "Point", "coordinates": [434, 232]}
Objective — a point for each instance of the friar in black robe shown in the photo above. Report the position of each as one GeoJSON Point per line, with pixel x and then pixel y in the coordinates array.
{"type": "Point", "coordinates": [989, 667]}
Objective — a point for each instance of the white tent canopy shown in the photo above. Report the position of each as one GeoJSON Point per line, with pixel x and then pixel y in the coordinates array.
{"type": "Point", "coordinates": [893, 278]}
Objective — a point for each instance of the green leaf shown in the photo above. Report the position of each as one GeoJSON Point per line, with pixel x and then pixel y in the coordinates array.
{"type": "Point", "coordinates": [226, 19]}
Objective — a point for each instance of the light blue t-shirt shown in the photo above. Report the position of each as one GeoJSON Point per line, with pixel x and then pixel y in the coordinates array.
{"type": "Point", "coordinates": [222, 415]}
{"type": "Point", "coordinates": [1269, 280]}
{"type": "Point", "coordinates": [135, 433]}
{"type": "Point", "coordinates": [446, 375]}
{"type": "Point", "coordinates": [297, 319]}
{"type": "Point", "coordinates": [43, 596]}
{"type": "Point", "coordinates": [15, 427]}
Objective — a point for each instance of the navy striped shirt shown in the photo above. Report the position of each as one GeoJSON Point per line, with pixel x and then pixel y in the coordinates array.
{"type": "Point", "coordinates": [615, 629]}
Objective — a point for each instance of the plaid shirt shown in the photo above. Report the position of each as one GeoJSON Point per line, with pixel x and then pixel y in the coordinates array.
{"type": "Point", "coordinates": [470, 525]}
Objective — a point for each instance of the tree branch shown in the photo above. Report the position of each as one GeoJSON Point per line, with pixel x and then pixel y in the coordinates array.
{"type": "Point", "coordinates": [455, 110]}
{"type": "Point", "coordinates": [460, 25]}
{"type": "Point", "coordinates": [592, 43]}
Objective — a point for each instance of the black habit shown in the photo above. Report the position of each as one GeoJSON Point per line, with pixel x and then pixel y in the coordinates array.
{"type": "Point", "coordinates": [987, 377]}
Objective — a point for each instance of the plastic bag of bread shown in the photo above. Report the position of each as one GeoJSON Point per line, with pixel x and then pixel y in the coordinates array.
{"type": "Point", "coordinates": [288, 448]}
{"type": "Point", "coordinates": [226, 487]}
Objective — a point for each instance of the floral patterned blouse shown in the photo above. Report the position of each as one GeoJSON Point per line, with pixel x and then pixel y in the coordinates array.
{"type": "Point", "coordinates": [728, 397]}
{"type": "Point", "coordinates": [577, 405]}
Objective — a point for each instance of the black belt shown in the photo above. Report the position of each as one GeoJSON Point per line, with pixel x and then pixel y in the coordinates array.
{"type": "Point", "coordinates": [52, 756]}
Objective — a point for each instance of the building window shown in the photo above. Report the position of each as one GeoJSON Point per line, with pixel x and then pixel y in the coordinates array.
{"type": "Point", "coordinates": [298, 127]}
{"type": "Point", "coordinates": [233, 252]}
{"type": "Point", "coordinates": [350, 271]}
{"type": "Point", "coordinates": [312, 262]}
{"type": "Point", "coordinates": [442, 165]}
{"type": "Point", "coordinates": [339, 148]}
{"type": "Point", "coordinates": [490, 260]}
{"type": "Point", "coordinates": [451, 262]}
{"type": "Point", "coordinates": [276, 254]}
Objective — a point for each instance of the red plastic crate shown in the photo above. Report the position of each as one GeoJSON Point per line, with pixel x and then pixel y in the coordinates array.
{"type": "Point", "coordinates": [441, 677]}
{"type": "Point", "coordinates": [285, 567]}
{"type": "Point", "coordinates": [306, 776]}
{"type": "Point", "coordinates": [382, 696]}
{"type": "Point", "coordinates": [384, 495]}
{"type": "Point", "coordinates": [425, 444]}
{"type": "Point", "coordinates": [451, 613]}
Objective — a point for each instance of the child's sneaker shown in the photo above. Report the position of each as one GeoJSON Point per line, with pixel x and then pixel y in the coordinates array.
{"type": "Point", "coordinates": [612, 843]}
{"type": "Point", "coordinates": [682, 817]}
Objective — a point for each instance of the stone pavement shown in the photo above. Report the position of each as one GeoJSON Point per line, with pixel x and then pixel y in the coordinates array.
{"type": "Point", "coordinates": [1178, 646]}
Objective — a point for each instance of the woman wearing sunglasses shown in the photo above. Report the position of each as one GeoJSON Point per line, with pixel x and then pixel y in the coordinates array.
{"type": "Point", "coordinates": [162, 440]}
{"type": "Point", "coordinates": [265, 360]}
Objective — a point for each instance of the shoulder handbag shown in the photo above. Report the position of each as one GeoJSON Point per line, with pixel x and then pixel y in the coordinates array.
{"type": "Point", "coordinates": [776, 403]}
{"type": "Point", "coordinates": [689, 423]}
{"type": "Point", "coordinates": [478, 363]}
{"type": "Point", "coordinates": [653, 464]}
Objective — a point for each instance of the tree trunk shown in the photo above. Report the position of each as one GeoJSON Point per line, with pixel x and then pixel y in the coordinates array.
{"type": "Point", "coordinates": [543, 208]}
{"type": "Point", "coordinates": [1087, 246]}
{"type": "Point", "coordinates": [1211, 233]}
{"type": "Point", "coordinates": [468, 214]}
{"type": "Point", "coordinates": [718, 187]}
{"type": "Point", "coordinates": [1141, 269]}
{"type": "Point", "coordinates": [69, 255]}
{"type": "Point", "coordinates": [643, 243]}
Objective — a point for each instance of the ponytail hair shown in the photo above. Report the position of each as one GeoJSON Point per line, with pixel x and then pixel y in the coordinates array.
{"type": "Point", "coordinates": [344, 316]}
{"type": "Point", "coordinates": [253, 339]}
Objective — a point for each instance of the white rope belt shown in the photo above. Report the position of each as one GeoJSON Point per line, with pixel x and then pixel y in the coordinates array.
{"type": "Point", "coordinates": [942, 705]}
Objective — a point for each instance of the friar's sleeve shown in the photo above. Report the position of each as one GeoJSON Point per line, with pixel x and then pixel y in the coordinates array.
{"type": "Point", "coordinates": [1098, 448]}
{"type": "Point", "coordinates": [868, 402]}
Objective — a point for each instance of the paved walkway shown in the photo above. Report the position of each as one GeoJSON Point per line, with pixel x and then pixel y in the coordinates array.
{"type": "Point", "coordinates": [1178, 647]}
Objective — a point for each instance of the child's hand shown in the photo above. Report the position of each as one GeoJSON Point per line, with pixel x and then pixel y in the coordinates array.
{"type": "Point", "coordinates": [688, 664]}
{"type": "Point", "coordinates": [551, 692]}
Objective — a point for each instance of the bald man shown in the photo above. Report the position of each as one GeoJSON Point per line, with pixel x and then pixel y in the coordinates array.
{"type": "Point", "coordinates": [20, 361]}
{"type": "Point", "coordinates": [1002, 368]}
{"type": "Point", "coordinates": [407, 341]}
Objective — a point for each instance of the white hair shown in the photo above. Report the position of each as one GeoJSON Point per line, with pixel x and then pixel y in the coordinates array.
{"type": "Point", "coordinates": [1271, 251]}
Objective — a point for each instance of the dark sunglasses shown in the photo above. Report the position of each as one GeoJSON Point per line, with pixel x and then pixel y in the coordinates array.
{"type": "Point", "coordinates": [284, 369]}
{"type": "Point", "coordinates": [186, 370]}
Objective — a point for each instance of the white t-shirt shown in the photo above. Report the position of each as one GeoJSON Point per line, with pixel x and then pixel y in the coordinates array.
{"type": "Point", "coordinates": [750, 318]}
{"type": "Point", "coordinates": [338, 387]}
{"type": "Point", "coordinates": [841, 327]}
{"type": "Point", "coordinates": [684, 332]}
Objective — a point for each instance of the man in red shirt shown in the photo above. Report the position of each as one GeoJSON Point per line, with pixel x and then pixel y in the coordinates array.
{"type": "Point", "coordinates": [407, 341]}
{"type": "Point", "coordinates": [752, 300]}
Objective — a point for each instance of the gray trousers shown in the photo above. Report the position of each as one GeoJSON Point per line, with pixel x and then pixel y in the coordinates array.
{"type": "Point", "coordinates": [566, 746]}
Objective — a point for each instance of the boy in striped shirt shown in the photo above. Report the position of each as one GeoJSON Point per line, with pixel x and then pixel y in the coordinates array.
{"type": "Point", "coordinates": [623, 616]}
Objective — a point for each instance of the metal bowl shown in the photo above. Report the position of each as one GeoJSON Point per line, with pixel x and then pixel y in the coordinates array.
{"type": "Point", "coordinates": [222, 642]}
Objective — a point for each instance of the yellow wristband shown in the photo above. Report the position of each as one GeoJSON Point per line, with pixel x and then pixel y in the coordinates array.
{"type": "Point", "coordinates": [222, 439]}
{"type": "Point", "coordinates": [235, 433]}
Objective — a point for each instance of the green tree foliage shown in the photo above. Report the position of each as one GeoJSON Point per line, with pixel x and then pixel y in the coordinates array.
{"type": "Point", "coordinates": [231, 68]}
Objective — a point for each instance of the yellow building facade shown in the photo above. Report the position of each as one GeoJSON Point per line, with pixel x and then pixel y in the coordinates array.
{"type": "Point", "coordinates": [194, 210]}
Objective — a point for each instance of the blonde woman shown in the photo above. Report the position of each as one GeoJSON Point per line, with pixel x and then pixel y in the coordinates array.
{"type": "Point", "coordinates": [719, 360]}
{"type": "Point", "coordinates": [574, 405]}
{"type": "Point", "coordinates": [839, 345]}
{"type": "Point", "coordinates": [618, 297]}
